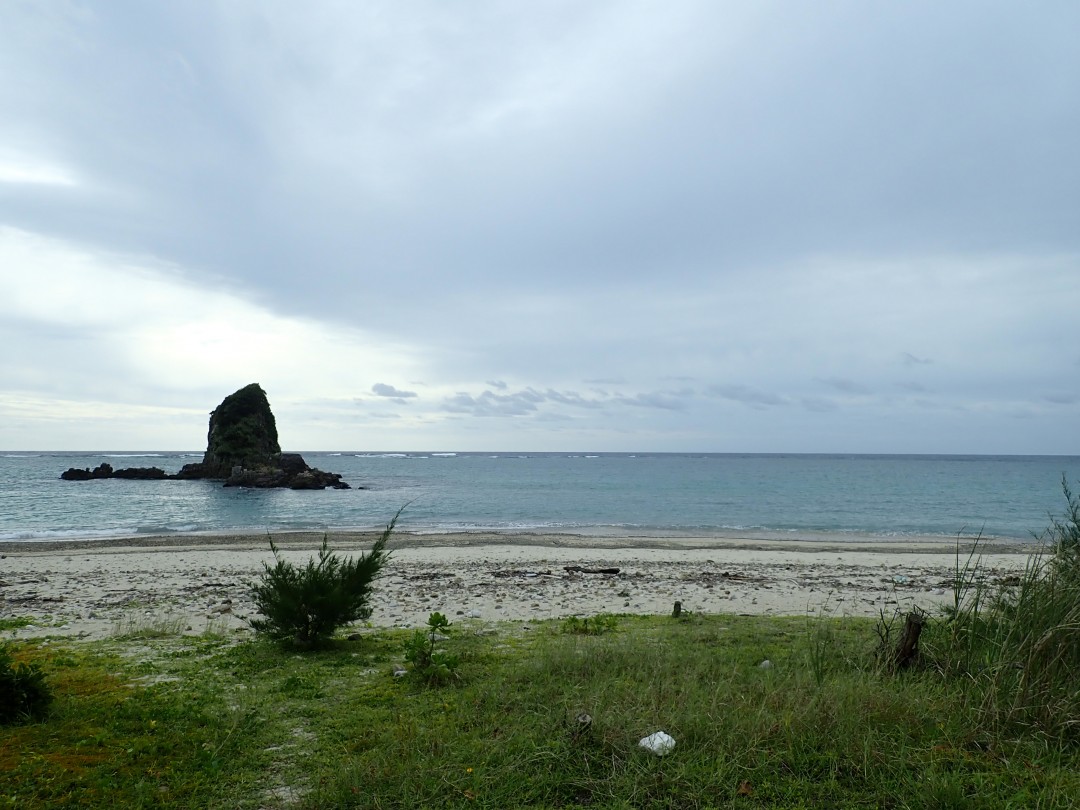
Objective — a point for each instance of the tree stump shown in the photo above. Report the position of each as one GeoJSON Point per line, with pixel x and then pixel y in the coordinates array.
{"type": "Point", "coordinates": [907, 648]}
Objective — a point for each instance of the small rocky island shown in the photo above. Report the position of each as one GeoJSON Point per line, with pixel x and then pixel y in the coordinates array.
{"type": "Point", "coordinates": [242, 450]}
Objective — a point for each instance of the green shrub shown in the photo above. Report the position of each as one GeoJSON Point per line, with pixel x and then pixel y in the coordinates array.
{"type": "Point", "coordinates": [23, 690]}
{"type": "Point", "coordinates": [305, 606]}
{"type": "Point", "coordinates": [1064, 534]}
{"type": "Point", "coordinates": [590, 626]}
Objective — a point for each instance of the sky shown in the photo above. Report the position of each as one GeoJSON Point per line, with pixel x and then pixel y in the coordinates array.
{"type": "Point", "coordinates": [557, 225]}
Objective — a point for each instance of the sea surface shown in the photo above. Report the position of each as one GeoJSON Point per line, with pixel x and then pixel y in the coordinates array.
{"type": "Point", "coordinates": [810, 497]}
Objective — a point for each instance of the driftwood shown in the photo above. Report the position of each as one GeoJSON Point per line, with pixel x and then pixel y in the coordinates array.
{"type": "Point", "coordinates": [577, 569]}
{"type": "Point", "coordinates": [520, 573]}
{"type": "Point", "coordinates": [907, 648]}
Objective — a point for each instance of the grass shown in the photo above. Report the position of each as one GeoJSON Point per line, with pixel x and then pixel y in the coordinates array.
{"type": "Point", "coordinates": [14, 623]}
{"type": "Point", "coordinates": [210, 721]}
{"type": "Point", "coordinates": [147, 627]}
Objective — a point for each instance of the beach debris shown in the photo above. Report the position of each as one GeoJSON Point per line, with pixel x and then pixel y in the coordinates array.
{"type": "Point", "coordinates": [581, 725]}
{"type": "Point", "coordinates": [515, 572]}
{"type": "Point", "coordinates": [577, 569]}
{"type": "Point", "coordinates": [659, 743]}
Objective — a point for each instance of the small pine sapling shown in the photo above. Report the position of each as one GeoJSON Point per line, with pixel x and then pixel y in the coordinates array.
{"type": "Point", "coordinates": [305, 606]}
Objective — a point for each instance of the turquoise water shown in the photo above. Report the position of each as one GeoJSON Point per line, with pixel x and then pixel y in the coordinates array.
{"type": "Point", "coordinates": [792, 496]}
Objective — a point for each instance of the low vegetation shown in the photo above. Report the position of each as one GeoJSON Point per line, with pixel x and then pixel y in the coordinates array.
{"type": "Point", "coordinates": [1019, 645]}
{"type": "Point", "coordinates": [551, 714]}
{"type": "Point", "coordinates": [24, 693]}
{"type": "Point", "coordinates": [306, 605]}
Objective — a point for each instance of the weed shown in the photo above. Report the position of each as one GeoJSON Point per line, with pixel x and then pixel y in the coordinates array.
{"type": "Point", "coordinates": [590, 626]}
{"type": "Point", "coordinates": [143, 627]}
{"type": "Point", "coordinates": [428, 664]}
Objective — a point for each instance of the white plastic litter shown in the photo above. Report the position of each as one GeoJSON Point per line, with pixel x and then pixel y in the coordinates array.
{"type": "Point", "coordinates": [766, 664]}
{"type": "Point", "coordinates": [659, 743]}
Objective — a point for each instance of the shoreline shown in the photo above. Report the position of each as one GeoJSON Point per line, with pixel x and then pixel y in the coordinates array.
{"type": "Point", "coordinates": [193, 583]}
{"type": "Point", "coordinates": [405, 538]}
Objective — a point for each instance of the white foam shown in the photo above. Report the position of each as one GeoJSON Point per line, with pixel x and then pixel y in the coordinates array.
{"type": "Point", "coordinates": [65, 534]}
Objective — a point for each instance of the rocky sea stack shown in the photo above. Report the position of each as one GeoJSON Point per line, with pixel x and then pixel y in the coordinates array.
{"type": "Point", "coordinates": [242, 450]}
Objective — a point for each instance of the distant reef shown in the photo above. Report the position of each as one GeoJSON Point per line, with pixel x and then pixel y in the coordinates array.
{"type": "Point", "coordinates": [242, 450]}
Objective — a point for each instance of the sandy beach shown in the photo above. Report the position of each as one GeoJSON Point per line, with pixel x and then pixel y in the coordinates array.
{"type": "Point", "coordinates": [91, 589]}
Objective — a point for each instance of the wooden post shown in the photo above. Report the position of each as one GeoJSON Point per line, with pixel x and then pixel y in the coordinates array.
{"type": "Point", "coordinates": [907, 649]}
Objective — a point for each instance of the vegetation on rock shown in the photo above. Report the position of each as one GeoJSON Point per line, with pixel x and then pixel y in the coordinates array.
{"type": "Point", "coordinates": [243, 432]}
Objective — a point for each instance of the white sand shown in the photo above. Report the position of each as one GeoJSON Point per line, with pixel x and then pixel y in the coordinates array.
{"type": "Point", "coordinates": [88, 589]}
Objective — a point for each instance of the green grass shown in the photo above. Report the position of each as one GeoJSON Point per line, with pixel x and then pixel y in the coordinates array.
{"type": "Point", "coordinates": [15, 623]}
{"type": "Point", "coordinates": [192, 722]}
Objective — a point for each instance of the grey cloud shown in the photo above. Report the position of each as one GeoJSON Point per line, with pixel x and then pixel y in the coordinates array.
{"type": "Point", "coordinates": [747, 395]}
{"type": "Point", "coordinates": [1062, 399]}
{"type": "Point", "coordinates": [491, 404]}
{"type": "Point", "coordinates": [818, 405]}
{"type": "Point", "coordinates": [914, 387]}
{"type": "Point", "coordinates": [384, 390]}
{"type": "Point", "coordinates": [530, 401]}
{"type": "Point", "coordinates": [617, 193]}
{"type": "Point", "coordinates": [573, 398]}
{"type": "Point", "coordinates": [911, 360]}
{"type": "Point", "coordinates": [657, 399]}
{"type": "Point", "coordinates": [844, 384]}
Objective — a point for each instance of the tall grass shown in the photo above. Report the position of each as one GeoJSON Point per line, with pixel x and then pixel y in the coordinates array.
{"type": "Point", "coordinates": [1019, 643]}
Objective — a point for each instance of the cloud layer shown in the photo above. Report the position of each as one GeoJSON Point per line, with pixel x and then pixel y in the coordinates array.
{"type": "Point", "coordinates": [737, 226]}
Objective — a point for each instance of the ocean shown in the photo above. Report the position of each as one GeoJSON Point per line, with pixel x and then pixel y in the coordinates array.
{"type": "Point", "coordinates": [834, 497]}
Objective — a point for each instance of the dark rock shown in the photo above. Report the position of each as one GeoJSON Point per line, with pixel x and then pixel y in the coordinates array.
{"type": "Point", "coordinates": [242, 433]}
{"type": "Point", "coordinates": [141, 474]}
{"type": "Point", "coordinates": [242, 450]}
{"type": "Point", "coordinates": [105, 470]}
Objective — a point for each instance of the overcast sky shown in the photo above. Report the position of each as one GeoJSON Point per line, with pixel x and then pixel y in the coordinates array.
{"type": "Point", "coordinates": [701, 226]}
